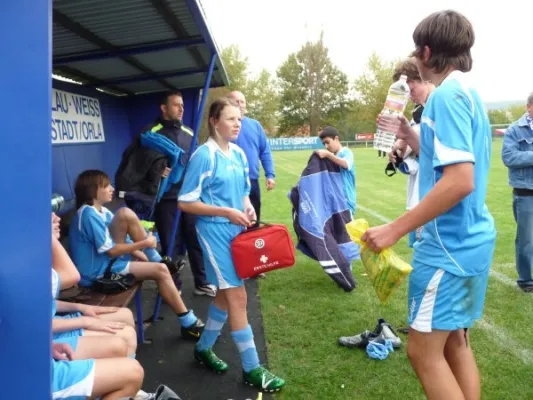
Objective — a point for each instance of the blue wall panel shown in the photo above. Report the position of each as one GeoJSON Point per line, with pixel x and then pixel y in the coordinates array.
{"type": "Point", "coordinates": [71, 159]}
{"type": "Point", "coordinates": [25, 162]}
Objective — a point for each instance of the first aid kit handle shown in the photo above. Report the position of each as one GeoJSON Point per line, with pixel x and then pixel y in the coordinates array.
{"type": "Point", "coordinates": [261, 224]}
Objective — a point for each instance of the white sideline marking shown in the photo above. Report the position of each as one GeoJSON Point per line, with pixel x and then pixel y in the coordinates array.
{"type": "Point", "coordinates": [502, 277]}
{"type": "Point", "coordinates": [373, 213]}
{"type": "Point", "coordinates": [504, 340]}
{"type": "Point", "coordinates": [287, 170]}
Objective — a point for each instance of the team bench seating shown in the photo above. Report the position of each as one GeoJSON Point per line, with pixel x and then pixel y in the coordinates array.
{"type": "Point", "coordinates": [123, 299]}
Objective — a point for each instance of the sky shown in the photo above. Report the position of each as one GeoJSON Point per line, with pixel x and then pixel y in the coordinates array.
{"type": "Point", "coordinates": [268, 31]}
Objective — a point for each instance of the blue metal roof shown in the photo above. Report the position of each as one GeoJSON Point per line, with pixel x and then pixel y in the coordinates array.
{"type": "Point", "coordinates": [134, 46]}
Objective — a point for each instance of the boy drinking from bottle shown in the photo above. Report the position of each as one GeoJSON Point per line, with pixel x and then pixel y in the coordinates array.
{"type": "Point", "coordinates": [452, 259]}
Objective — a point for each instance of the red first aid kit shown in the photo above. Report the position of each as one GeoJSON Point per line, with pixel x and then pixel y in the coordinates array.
{"type": "Point", "coordinates": [262, 249]}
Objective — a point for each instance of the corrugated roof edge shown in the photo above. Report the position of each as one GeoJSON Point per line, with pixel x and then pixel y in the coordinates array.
{"type": "Point", "coordinates": [198, 14]}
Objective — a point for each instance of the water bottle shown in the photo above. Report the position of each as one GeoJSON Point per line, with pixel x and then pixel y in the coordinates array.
{"type": "Point", "coordinates": [395, 104]}
{"type": "Point", "coordinates": [57, 202]}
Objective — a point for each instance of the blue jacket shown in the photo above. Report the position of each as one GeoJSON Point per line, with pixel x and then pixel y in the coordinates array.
{"type": "Point", "coordinates": [164, 145]}
{"type": "Point", "coordinates": [252, 139]}
{"type": "Point", "coordinates": [517, 154]}
{"type": "Point", "coordinates": [320, 215]}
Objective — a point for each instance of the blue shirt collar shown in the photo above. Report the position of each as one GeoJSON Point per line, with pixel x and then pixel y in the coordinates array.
{"type": "Point", "coordinates": [529, 121]}
{"type": "Point", "coordinates": [526, 120]}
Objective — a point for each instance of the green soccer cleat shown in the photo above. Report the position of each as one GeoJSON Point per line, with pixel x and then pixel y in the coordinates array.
{"type": "Point", "coordinates": [210, 360]}
{"type": "Point", "coordinates": [263, 380]}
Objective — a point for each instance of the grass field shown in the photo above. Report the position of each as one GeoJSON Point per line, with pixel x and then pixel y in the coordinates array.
{"type": "Point", "coordinates": [304, 312]}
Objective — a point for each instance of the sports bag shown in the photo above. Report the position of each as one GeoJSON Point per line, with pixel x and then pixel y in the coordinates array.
{"type": "Point", "coordinates": [112, 283]}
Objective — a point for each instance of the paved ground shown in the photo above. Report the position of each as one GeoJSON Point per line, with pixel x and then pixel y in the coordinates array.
{"type": "Point", "coordinates": [168, 359]}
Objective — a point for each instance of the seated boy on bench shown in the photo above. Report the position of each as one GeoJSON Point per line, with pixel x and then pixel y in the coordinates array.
{"type": "Point", "coordinates": [98, 236]}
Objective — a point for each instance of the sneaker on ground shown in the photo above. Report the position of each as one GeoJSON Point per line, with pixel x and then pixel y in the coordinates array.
{"type": "Point", "coordinates": [206, 290]}
{"type": "Point", "coordinates": [210, 360]}
{"type": "Point", "coordinates": [142, 395]}
{"type": "Point", "coordinates": [526, 288]}
{"type": "Point", "coordinates": [174, 267]}
{"type": "Point", "coordinates": [165, 393]}
{"type": "Point", "coordinates": [263, 380]}
{"type": "Point", "coordinates": [360, 340]}
{"type": "Point", "coordinates": [194, 331]}
{"type": "Point", "coordinates": [384, 331]}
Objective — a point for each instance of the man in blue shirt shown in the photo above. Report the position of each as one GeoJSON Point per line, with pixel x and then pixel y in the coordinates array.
{"type": "Point", "coordinates": [343, 157]}
{"type": "Point", "coordinates": [252, 139]}
{"type": "Point", "coordinates": [452, 259]}
{"type": "Point", "coordinates": [517, 155]}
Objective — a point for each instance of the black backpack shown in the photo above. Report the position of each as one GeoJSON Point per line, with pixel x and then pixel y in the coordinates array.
{"type": "Point", "coordinates": [112, 283]}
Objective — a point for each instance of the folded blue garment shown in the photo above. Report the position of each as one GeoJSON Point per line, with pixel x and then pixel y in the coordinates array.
{"type": "Point", "coordinates": [164, 145]}
{"type": "Point", "coordinates": [379, 351]}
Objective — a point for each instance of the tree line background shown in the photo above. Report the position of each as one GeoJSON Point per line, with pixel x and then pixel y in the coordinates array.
{"type": "Point", "coordinates": [309, 92]}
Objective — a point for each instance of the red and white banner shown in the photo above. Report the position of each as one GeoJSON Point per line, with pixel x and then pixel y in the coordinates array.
{"type": "Point", "coordinates": [364, 136]}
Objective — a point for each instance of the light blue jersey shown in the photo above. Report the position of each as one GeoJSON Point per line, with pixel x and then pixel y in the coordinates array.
{"type": "Point", "coordinates": [89, 242]}
{"type": "Point", "coordinates": [216, 178]}
{"type": "Point", "coordinates": [348, 178]}
{"type": "Point", "coordinates": [455, 129]}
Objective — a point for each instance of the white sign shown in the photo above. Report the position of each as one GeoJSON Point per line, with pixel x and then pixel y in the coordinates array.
{"type": "Point", "coordinates": [76, 119]}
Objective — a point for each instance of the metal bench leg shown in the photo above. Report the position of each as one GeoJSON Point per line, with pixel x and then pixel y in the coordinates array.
{"type": "Point", "coordinates": [140, 319]}
{"type": "Point", "coordinates": [157, 308]}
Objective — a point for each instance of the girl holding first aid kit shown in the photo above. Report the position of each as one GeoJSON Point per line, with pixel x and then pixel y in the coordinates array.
{"type": "Point", "coordinates": [216, 188]}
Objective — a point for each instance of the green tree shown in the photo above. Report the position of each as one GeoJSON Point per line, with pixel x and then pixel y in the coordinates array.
{"type": "Point", "coordinates": [313, 90]}
{"type": "Point", "coordinates": [371, 90]}
{"type": "Point", "coordinates": [516, 112]}
{"type": "Point", "coordinates": [261, 93]}
{"type": "Point", "coordinates": [237, 69]}
{"type": "Point", "coordinates": [262, 98]}
{"type": "Point", "coordinates": [498, 117]}
{"type": "Point", "coordinates": [236, 66]}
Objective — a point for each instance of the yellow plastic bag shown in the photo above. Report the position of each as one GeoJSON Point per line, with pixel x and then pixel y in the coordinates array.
{"type": "Point", "coordinates": [385, 269]}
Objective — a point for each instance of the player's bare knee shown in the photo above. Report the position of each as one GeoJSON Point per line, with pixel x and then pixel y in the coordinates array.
{"type": "Point", "coordinates": [457, 340]}
{"type": "Point", "coordinates": [127, 216]}
{"type": "Point", "coordinates": [237, 300]}
{"type": "Point", "coordinates": [414, 353]}
{"type": "Point", "coordinates": [137, 372]}
{"type": "Point", "coordinates": [118, 346]}
{"type": "Point", "coordinates": [122, 213]}
{"type": "Point", "coordinates": [163, 272]}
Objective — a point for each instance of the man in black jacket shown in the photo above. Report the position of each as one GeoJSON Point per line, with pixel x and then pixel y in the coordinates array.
{"type": "Point", "coordinates": [170, 125]}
